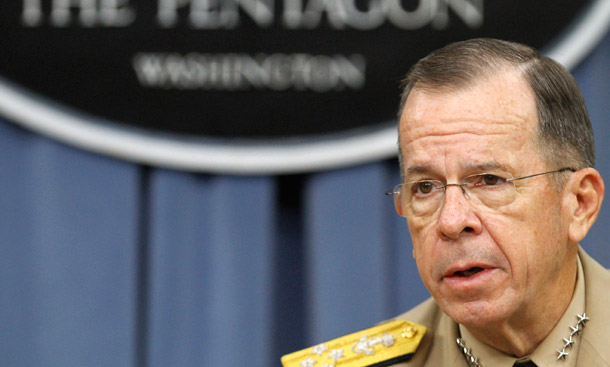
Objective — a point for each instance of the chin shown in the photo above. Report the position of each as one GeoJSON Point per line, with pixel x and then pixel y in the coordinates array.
{"type": "Point", "coordinates": [475, 314]}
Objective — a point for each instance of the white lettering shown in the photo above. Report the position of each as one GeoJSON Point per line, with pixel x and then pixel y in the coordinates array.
{"type": "Point", "coordinates": [292, 15]}
{"type": "Point", "coordinates": [32, 13]}
{"type": "Point", "coordinates": [214, 14]}
{"type": "Point", "coordinates": [228, 14]}
{"type": "Point", "coordinates": [342, 14]}
{"type": "Point", "coordinates": [167, 13]}
{"type": "Point", "coordinates": [208, 14]}
{"type": "Point", "coordinates": [116, 13]}
{"type": "Point", "coordinates": [312, 15]}
{"type": "Point", "coordinates": [470, 11]}
{"type": "Point", "coordinates": [261, 11]}
{"type": "Point", "coordinates": [364, 20]}
{"type": "Point", "coordinates": [61, 13]}
{"type": "Point", "coordinates": [88, 13]}
{"type": "Point", "coordinates": [278, 72]}
{"type": "Point", "coordinates": [415, 19]}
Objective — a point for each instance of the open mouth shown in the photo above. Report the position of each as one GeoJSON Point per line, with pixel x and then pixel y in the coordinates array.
{"type": "Point", "coordinates": [468, 272]}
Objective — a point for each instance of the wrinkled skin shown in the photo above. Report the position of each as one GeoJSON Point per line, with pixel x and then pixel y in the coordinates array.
{"type": "Point", "coordinates": [523, 249]}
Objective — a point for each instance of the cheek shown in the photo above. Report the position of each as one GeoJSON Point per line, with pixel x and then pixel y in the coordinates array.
{"type": "Point", "coordinates": [424, 263]}
{"type": "Point", "coordinates": [522, 238]}
{"type": "Point", "coordinates": [508, 233]}
{"type": "Point", "coordinates": [423, 239]}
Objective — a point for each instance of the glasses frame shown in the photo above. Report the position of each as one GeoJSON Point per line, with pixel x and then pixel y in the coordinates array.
{"type": "Point", "coordinates": [396, 189]}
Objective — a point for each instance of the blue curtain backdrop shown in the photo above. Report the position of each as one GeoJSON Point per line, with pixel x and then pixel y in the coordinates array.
{"type": "Point", "coordinates": [107, 263]}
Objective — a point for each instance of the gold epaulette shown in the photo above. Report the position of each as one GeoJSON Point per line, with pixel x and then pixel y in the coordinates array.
{"type": "Point", "coordinates": [378, 346]}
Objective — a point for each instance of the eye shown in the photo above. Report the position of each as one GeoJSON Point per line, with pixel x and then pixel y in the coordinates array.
{"type": "Point", "coordinates": [491, 179]}
{"type": "Point", "coordinates": [487, 180]}
{"type": "Point", "coordinates": [423, 187]}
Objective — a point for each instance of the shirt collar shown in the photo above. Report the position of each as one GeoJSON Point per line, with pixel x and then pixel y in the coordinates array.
{"type": "Point", "coordinates": [545, 355]}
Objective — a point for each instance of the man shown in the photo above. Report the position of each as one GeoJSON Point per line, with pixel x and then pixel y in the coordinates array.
{"type": "Point", "coordinates": [499, 254]}
{"type": "Point", "coordinates": [497, 155]}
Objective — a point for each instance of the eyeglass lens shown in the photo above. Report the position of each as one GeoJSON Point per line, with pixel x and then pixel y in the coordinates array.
{"type": "Point", "coordinates": [423, 198]}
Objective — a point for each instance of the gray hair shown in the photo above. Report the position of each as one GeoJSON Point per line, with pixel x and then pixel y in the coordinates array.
{"type": "Point", "coordinates": [565, 136]}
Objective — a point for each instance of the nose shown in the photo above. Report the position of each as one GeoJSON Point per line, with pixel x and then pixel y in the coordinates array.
{"type": "Point", "coordinates": [457, 216]}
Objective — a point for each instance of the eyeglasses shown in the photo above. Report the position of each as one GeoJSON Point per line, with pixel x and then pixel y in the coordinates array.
{"type": "Point", "coordinates": [422, 198]}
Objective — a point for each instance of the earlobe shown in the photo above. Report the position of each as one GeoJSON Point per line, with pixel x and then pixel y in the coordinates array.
{"type": "Point", "coordinates": [397, 205]}
{"type": "Point", "coordinates": [586, 191]}
{"type": "Point", "coordinates": [399, 210]}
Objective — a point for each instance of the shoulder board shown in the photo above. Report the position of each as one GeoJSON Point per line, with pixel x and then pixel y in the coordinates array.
{"type": "Point", "coordinates": [382, 345]}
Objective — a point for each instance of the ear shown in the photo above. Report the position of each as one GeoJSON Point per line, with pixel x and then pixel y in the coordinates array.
{"type": "Point", "coordinates": [397, 205]}
{"type": "Point", "coordinates": [585, 192]}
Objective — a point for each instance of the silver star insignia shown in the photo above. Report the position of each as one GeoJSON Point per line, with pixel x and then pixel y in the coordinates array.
{"type": "Point", "coordinates": [582, 319]}
{"type": "Point", "coordinates": [575, 330]}
{"type": "Point", "coordinates": [569, 342]}
{"type": "Point", "coordinates": [388, 340]}
{"type": "Point", "coordinates": [336, 354]}
{"type": "Point", "coordinates": [562, 354]}
{"type": "Point", "coordinates": [362, 346]}
{"type": "Point", "coordinates": [319, 349]}
{"type": "Point", "coordinates": [308, 362]}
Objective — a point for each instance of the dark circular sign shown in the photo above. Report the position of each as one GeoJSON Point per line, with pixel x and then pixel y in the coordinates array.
{"type": "Point", "coordinates": [247, 86]}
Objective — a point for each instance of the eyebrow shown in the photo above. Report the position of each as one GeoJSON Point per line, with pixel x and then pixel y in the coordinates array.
{"type": "Point", "coordinates": [478, 167]}
{"type": "Point", "coordinates": [487, 166]}
{"type": "Point", "coordinates": [418, 169]}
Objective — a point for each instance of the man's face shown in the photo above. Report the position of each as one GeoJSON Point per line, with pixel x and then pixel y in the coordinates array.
{"type": "Point", "coordinates": [485, 266]}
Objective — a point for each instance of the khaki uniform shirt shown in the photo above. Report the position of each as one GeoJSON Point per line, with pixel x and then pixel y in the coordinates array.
{"type": "Point", "coordinates": [546, 353]}
{"type": "Point", "coordinates": [591, 347]}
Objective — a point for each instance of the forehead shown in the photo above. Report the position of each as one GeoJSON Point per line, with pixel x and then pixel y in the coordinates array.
{"type": "Point", "coordinates": [493, 121]}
